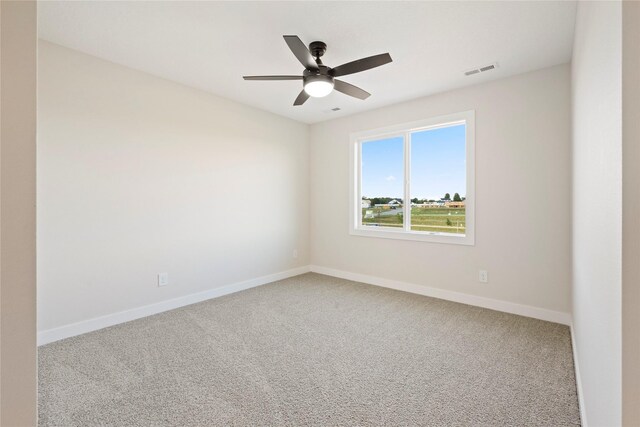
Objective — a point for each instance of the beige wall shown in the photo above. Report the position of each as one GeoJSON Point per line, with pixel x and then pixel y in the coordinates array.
{"type": "Point", "coordinates": [597, 233]}
{"type": "Point", "coordinates": [17, 213]}
{"type": "Point", "coordinates": [631, 214]}
{"type": "Point", "coordinates": [138, 175]}
{"type": "Point", "coordinates": [522, 155]}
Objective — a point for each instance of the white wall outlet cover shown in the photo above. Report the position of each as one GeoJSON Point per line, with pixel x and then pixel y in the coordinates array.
{"type": "Point", "coordinates": [483, 276]}
{"type": "Point", "coordinates": [163, 279]}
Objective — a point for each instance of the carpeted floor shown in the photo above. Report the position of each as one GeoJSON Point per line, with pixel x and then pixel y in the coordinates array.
{"type": "Point", "coordinates": [314, 350]}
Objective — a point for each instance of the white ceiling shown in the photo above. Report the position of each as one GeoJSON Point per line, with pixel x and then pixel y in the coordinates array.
{"type": "Point", "coordinates": [210, 45]}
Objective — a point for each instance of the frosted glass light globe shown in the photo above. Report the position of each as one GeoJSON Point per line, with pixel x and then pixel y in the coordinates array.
{"type": "Point", "coordinates": [318, 86]}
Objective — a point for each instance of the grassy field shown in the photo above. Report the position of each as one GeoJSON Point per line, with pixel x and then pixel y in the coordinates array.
{"type": "Point", "coordinates": [441, 220]}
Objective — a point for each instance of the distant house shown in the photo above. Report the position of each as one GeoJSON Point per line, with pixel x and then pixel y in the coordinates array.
{"type": "Point", "coordinates": [437, 204]}
{"type": "Point", "coordinates": [454, 205]}
{"type": "Point", "coordinates": [366, 203]}
{"type": "Point", "coordinates": [393, 204]}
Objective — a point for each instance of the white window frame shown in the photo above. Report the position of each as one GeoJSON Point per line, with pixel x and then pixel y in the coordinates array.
{"type": "Point", "coordinates": [355, 189]}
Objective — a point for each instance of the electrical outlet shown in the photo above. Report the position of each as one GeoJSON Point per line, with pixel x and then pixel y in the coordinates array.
{"type": "Point", "coordinates": [483, 276]}
{"type": "Point", "coordinates": [295, 253]}
{"type": "Point", "coordinates": [163, 279]}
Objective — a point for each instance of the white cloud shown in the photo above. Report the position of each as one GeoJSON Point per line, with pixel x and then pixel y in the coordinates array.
{"type": "Point", "coordinates": [390, 178]}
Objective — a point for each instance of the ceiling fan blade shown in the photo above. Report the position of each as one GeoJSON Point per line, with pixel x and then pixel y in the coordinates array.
{"type": "Point", "coordinates": [361, 65]}
{"type": "Point", "coordinates": [301, 98]}
{"type": "Point", "coordinates": [301, 52]}
{"type": "Point", "coordinates": [272, 77]}
{"type": "Point", "coordinates": [351, 90]}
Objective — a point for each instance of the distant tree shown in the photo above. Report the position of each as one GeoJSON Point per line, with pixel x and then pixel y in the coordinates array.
{"type": "Point", "coordinates": [456, 198]}
{"type": "Point", "coordinates": [415, 200]}
{"type": "Point", "coordinates": [448, 222]}
{"type": "Point", "coordinates": [431, 201]}
{"type": "Point", "coordinates": [447, 197]}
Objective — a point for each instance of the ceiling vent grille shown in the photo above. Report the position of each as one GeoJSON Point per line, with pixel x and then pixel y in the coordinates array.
{"type": "Point", "coordinates": [481, 69]}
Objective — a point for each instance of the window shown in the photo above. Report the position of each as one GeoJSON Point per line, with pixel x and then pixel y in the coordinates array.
{"type": "Point", "coordinates": [415, 181]}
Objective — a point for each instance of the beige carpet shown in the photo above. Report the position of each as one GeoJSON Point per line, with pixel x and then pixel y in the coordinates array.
{"type": "Point", "coordinates": [314, 350]}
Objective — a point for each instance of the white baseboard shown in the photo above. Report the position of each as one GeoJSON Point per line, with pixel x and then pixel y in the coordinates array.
{"type": "Point", "coordinates": [493, 304]}
{"type": "Point", "coordinates": [583, 413]}
{"type": "Point", "coordinates": [71, 330]}
{"type": "Point", "coordinates": [66, 331]}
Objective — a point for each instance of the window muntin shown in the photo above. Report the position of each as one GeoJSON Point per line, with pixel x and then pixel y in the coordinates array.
{"type": "Point", "coordinates": [423, 161]}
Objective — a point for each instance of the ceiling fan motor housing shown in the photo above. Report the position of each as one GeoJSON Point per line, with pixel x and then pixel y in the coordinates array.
{"type": "Point", "coordinates": [322, 70]}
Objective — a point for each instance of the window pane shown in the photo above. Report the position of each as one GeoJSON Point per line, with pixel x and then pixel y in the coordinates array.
{"type": "Point", "coordinates": [438, 180]}
{"type": "Point", "coordinates": [382, 182]}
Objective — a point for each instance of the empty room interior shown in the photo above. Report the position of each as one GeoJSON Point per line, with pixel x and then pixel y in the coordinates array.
{"type": "Point", "coordinates": [320, 213]}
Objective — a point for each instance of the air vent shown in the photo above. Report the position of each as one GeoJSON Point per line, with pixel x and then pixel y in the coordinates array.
{"type": "Point", "coordinates": [481, 69]}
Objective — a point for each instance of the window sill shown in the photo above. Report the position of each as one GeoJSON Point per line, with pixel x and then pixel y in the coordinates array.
{"type": "Point", "coordinates": [420, 236]}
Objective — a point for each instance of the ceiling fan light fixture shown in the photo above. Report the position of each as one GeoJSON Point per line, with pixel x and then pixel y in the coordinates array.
{"type": "Point", "coordinates": [318, 86]}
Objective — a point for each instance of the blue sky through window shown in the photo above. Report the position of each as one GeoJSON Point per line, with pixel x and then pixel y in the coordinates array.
{"type": "Point", "coordinates": [438, 164]}
{"type": "Point", "coordinates": [383, 168]}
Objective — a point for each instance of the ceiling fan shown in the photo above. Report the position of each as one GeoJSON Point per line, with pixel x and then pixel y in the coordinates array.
{"type": "Point", "coordinates": [319, 80]}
